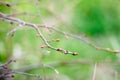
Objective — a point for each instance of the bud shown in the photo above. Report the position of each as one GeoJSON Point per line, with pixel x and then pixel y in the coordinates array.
{"type": "Point", "coordinates": [75, 54]}
{"type": "Point", "coordinates": [58, 49]}
{"type": "Point", "coordinates": [66, 52]}
{"type": "Point", "coordinates": [42, 46]}
{"type": "Point", "coordinates": [108, 49]}
{"type": "Point", "coordinates": [116, 51]}
{"type": "Point", "coordinates": [37, 35]}
{"type": "Point", "coordinates": [8, 5]}
{"type": "Point", "coordinates": [57, 40]}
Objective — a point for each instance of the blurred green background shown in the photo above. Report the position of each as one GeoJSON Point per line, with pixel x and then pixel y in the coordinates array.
{"type": "Point", "coordinates": [99, 20]}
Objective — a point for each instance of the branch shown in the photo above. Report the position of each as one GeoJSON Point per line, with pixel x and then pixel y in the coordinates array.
{"type": "Point", "coordinates": [5, 71]}
{"type": "Point", "coordinates": [64, 63]}
{"type": "Point", "coordinates": [55, 64]}
{"type": "Point", "coordinates": [7, 74]}
{"type": "Point", "coordinates": [36, 27]}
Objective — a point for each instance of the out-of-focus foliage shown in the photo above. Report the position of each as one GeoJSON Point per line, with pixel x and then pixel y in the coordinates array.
{"type": "Point", "coordinates": [97, 16]}
{"type": "Point", "coordinates": [98, 19]}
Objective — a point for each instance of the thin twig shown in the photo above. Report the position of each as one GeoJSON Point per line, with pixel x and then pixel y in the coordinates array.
{"type": "Point", "coordinates": [12, 32]}
{"type": "Point", "coordinates": [85, 40]}
{"type": "Point", "coordinates": [27, 74]}
{"type": "Point", "coordinates": [94, 72]}
{"type": "Point", "coordinates": [82, 38]}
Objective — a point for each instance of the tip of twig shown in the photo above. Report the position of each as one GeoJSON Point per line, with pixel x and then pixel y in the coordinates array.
{"type": "Point", "coordinates": [9, 62]}
{"type": "Point", "coordinates": [75, 54]}
{"type": "Point", "coordinates": [116, 51]}
{"type": "Point", "coordinates": [6, 4]}
{"type": "Point", "coordinates": [42, 46]}
{"type": "Point", "coordinates": [67, 52]}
